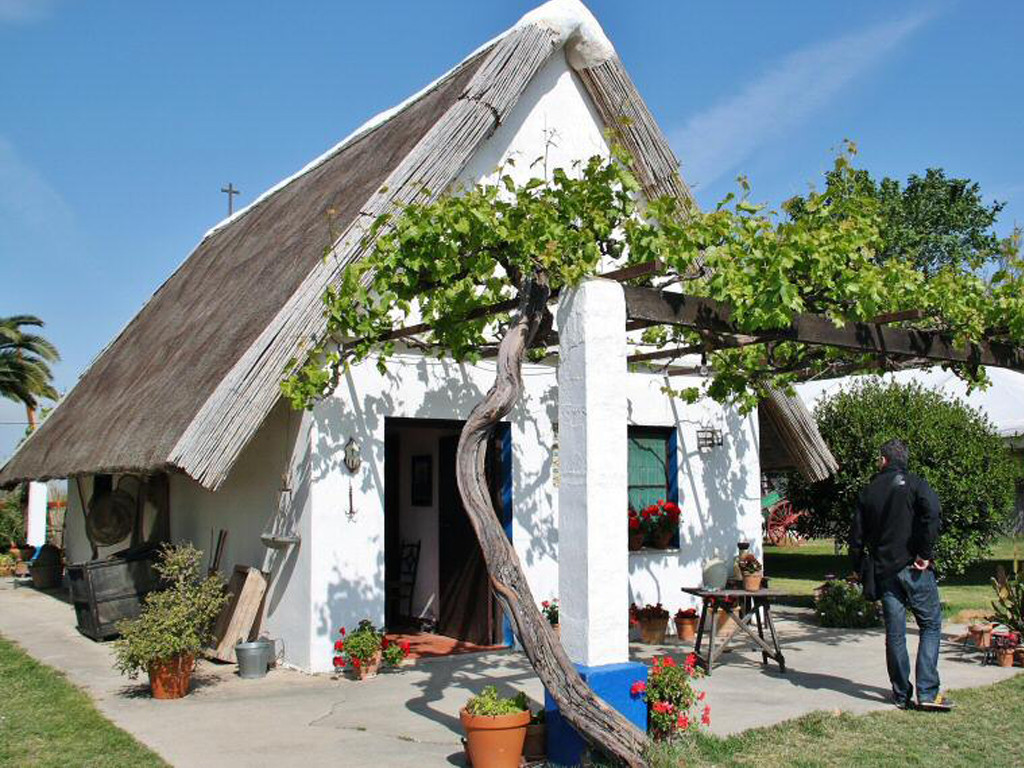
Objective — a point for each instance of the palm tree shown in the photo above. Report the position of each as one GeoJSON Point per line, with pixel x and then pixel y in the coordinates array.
{"type": "Point", "coordinates": [25, 374]}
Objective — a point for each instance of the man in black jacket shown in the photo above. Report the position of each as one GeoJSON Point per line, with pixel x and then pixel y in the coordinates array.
{"type": "Point", "coordinates": [892, 542]}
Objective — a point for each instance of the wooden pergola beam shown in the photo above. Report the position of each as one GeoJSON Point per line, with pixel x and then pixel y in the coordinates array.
{"type": "Point", "coordinates": [650, 305]}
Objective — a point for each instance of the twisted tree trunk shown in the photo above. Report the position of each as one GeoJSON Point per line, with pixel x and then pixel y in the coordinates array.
{"type": "Point", "coordinates": [601, 725]}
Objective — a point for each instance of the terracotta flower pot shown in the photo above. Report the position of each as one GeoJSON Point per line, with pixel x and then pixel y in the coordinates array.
{"type": "Point", "coordinates": [636, 541]}
{"type": "Point", "coordinates": [662, 539]}
{"type": "Point", "coordinates": [170, 679]}
{"type": "Point", "coordinates": [558, 630]}
{"type": "Point", "coordinates": [368, 668]}
{"type": "Point", "coordinates": [535, 746]}
{"type": "Point", "coordinates": [686, 629]}
{"type": "Point", "coordinates": [1018, 656]}
{"type": "Point", "coordinates": [752, 582]}
{"type": "Point", "coordinates": [652, 631]}
{"type": "Point", "coordinates": [981, 635]}
{"type": "Point", "coordinates": [1004, 657]}
{"type": "Point", "coordinates": [495, 742]}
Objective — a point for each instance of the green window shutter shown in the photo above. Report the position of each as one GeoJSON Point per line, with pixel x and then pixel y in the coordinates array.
{"type": "Point", "coordinates": [648, 468]}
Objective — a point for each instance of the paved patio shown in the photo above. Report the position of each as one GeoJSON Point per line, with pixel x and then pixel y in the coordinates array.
{"type": "Point", "coordinates": [411, 718]}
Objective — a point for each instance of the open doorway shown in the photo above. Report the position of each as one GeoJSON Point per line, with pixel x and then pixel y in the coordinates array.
{"type": "Point", "coordinates": [438, 592]}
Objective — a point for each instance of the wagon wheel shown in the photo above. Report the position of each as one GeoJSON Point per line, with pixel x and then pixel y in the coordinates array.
{"type": "Point", "coordinates": [780, 517]}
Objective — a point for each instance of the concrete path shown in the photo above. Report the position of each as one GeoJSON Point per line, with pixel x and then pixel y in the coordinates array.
{"type": "Point", "coordinates": [411, 718]}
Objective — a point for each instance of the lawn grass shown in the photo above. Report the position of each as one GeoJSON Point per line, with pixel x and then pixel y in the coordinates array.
{"type": "Point", "coordinates": [983, 730]}
{"type": "Point", "coordinates": [798, 570]}
{"type": "Point", "coordinates": [46, 722]}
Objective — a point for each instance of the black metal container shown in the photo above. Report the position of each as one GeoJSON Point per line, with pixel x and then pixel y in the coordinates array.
{"type": "Point", "coordinates": [106, 591]}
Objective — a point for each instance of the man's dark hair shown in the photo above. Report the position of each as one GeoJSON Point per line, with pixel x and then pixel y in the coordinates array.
{"type": "Point", "coordinates": [895, 452]}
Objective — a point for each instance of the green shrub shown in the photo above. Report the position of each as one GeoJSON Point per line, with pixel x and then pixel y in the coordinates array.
{"type": "Point", "coordinates": [177, 620]}
{"type": "Point", "coordinates": [953, 447]}
{"type": "Point", "coordinates": [840, 603]}
{"type": "Point", "coordinates": [488, 703]}
{"type": "Point", "coordinates": [12, 518]}
{"type": "Point", "coordinates": [1009, 602]}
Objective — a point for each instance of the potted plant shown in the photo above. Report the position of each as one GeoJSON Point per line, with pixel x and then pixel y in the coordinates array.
{"type": "Point", "coordinates": [660, 521]}
{"type": "Point", "coordinates": [981, 635]}
{"type": "Point", "coordinates": [686, 624]}
{"type": "Point", "coordinates": [495, 728]}
{"type": "Point", "coordinates": [653, 621]}
{"type": "Point", "coordinates": [550, 610]}
{"type": "Point", "coordinates": [366, 648]}
{"type": "Point", "coordinates": [1004, 644]}
{"type": "Point", "coordinates": [535, 747]}
{"type": "Point", "coordinates": [175, 624]}
{"type": "Point", "coordinates": [7, 563]}
{"type": "Point", "coordinates": [636, 531]}
{"type": "Point", "coordinates": [673, 705]}
{"type": "Point", "coordinates": [752, 571]}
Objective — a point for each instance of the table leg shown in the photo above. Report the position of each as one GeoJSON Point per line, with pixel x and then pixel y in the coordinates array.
{"type": "Point", "coordinates": [711, 639]}
{"type": "Point", "coordinates": [760, 631]}
{"type": "Point", "coordinates": [700, 627]}
{"type": "Point", "coordinates": [775, 637]}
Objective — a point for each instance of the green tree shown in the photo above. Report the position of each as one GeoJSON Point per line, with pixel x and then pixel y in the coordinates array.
{"type": "Point", "coordinates": [933, 221]}
{"type": "Point", "coordinates": [953, 447]}
{"type": "Point", "coordinates": [25, 359]}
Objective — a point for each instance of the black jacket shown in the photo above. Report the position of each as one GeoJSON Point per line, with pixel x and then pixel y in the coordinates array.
{"type": "Point", "coordinates": [897, 520]}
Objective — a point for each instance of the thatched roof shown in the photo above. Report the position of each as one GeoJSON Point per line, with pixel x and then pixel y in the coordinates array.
{"type": "Point", "coordinates": [189, 381]}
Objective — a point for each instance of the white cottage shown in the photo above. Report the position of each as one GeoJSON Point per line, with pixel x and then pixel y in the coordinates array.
{"type": "Point", "coordinates": [186, 397]}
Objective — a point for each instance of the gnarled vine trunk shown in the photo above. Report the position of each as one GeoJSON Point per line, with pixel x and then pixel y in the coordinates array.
{"type": "Point", "coordinates": [601, 725]}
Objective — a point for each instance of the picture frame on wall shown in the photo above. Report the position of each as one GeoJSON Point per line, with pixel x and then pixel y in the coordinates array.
{"type": "Point", "coordinates": [422, 490]}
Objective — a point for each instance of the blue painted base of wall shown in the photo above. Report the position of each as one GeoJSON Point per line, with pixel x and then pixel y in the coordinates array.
{"type": "Point", "coordinates": [612, 683]}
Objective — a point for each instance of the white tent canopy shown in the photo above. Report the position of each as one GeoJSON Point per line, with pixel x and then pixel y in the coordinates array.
{"type": "Point", "coordinates": [1002, 402]}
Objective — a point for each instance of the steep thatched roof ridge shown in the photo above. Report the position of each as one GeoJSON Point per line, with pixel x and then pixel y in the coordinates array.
{"type": "Point", "coordinates": [131, 406]}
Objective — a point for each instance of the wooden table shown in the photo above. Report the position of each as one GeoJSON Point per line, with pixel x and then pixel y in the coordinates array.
{"type": "Point", "coordinates": [754, 609]}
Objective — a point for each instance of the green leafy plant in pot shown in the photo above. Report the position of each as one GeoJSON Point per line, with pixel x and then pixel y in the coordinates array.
{"type": "Point", "coordinates": [175, 624]}
{"type": "Point", "coordinates": [495, 728]}
{"type": "Point", "coordinates": [752, 572]}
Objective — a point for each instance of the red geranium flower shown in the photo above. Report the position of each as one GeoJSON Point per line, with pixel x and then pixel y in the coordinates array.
{"type": "Point", "coordinates": [683, 722]}
{"type": "Point", "coordinates": [339, 661]}
{"type": "Point", "coordinates": [706, 716]}
{"type": "Point", "coordinates": [339, 645]}
{"type": "Point", "coordinates": [638, 688]}
{"type": "Point", "coordinates": [342, 631]}
{"type": "Point", "coordinates": [405, 646]}
{"type": "Point", "coordinates": [356, 662]}
{"type": "Point", "coordinates": [701, 695]}
{"type": "Point", "coordinates": [662, 707]}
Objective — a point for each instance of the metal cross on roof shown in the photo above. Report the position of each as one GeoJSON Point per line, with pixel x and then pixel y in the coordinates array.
{"type": "Point", "coordinates": [230, 191]}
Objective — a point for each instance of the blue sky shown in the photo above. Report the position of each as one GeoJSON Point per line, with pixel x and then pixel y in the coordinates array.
{"type": "Point", "coordinates": [120, 122]}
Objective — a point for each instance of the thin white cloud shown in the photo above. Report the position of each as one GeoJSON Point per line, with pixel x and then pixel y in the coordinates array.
{"type": "Point", "coordinates": [721, 138]}
{"type": "Point", "coordinates": [27, 201]}
{"type": "Point", "coordinates": [25, 11]}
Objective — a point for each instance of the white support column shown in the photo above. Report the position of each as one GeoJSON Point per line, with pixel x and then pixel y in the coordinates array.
{"type": "Point", "coordinates": [593, 559]}
{"type": "Point", "coordinates": [37, 497]}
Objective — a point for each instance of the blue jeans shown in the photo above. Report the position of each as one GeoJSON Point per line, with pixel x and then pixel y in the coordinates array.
{"type": "Point", "coordinates": [917, 590]}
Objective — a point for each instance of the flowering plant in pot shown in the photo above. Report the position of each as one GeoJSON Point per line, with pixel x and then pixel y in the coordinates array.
{"type": "Point", "coordinates": [495, 728]}
{"type": "Point", "coordinates": [660, 521]}
{"type": "Point", "coordinates": [366, 648]}
{"type": "Point", "coordinates": [175, 624]}
{"type": "Point", "coordinates": [674, 706]}
{"type": "Point", "coordinates": [636, 531]}
{"type": "Point", "coordinates": [686, 624]}
{"type": "Point", "coordinates": [1005, 644]}
{"type": "Point", "coordinates": [653, 620]}
{"type": "Point", "coordinates": [550, 610]}
{"type": "Point", "coordinates": [752, 572]}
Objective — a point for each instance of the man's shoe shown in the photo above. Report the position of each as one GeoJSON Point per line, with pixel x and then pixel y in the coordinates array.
{"type": "Point", "coordinates": [904, 703]}
{"type": "Point", "coordinates": [941, 703]}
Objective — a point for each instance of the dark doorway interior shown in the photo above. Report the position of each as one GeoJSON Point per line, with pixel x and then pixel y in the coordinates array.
{"type": "Point", "coordinates": [465, 609]}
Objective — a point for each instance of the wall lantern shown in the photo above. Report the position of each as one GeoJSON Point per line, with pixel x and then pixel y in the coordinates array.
{"type": "Point", "coordinates": [352, 463]}
{"type": "Point", "coordinates": [352, 458]}
{"type": "Point", "coordinates": [708, 438]}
